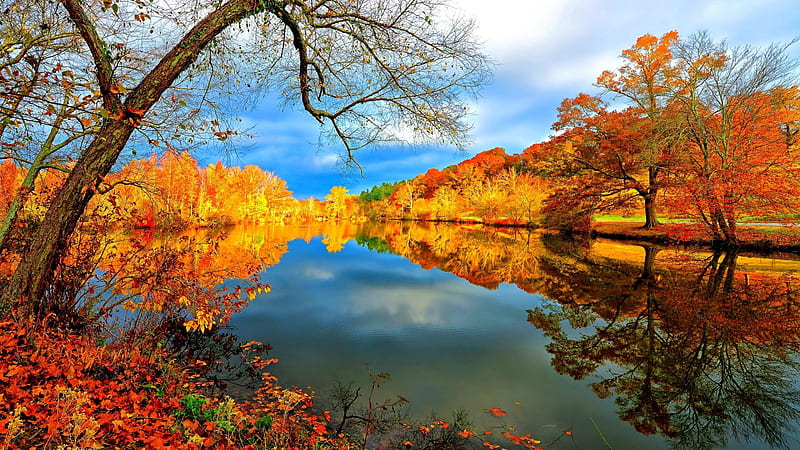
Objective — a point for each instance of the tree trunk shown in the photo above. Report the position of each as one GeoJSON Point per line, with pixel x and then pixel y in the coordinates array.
{"type": "Point", "coordinates": [648, 268]}
{"type": "Point", "coordinates": [650, 217]}
{"type": "Point", "coordinates": [649, 195]}
{"type": "Point", "coordinates": [30, 280]}
{"type": "Point", "coordinates": [648, 275]}
{"type": "Point", "coordinates": [728, 228]}
{"type": "Point", "coordinates": [729, 263]}
{"type": "Point", "coordinates": [718, 225]}
{"type": "Point", "coordinates": [722, 274]}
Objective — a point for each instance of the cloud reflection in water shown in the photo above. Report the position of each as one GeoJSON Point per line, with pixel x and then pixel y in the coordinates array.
{"type": "Point", "coordinates": [446, 343]}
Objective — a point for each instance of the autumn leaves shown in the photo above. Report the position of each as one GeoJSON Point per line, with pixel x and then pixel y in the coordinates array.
{"type": "Point", "coordinates": [684, 128]}
{"type": "Point", "coordinates": [696, 128]}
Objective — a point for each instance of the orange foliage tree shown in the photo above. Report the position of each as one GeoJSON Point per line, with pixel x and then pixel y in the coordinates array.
{"type": "Point", "coordinates": [172, 192]}
{"type": "Point", "coordinates": [645, 82]}
{"type": "Point", "coordinates": [600, 160]}
{"type": "Point", "coordinates": [339, 204]}
{"type": "Point", "coordinates": [739, 116]}
{"type": "Point", "coordinates": [707, 128]}
{"type": "Point", "coordinates": [609, 159]}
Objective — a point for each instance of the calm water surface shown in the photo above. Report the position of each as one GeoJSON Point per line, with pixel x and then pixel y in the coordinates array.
{"type": "Point", "coordinates": [470, 319]}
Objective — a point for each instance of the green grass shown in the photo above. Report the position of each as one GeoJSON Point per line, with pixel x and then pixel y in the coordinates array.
{"type": "Point", "coordinates": [618, 218]}
{"type": "Point", "coordinates": [780, 218]}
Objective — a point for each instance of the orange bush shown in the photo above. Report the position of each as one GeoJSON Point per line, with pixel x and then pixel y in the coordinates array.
{"type": "Point", "coordinates": [65, 390]}
{"type": "Point", "coordinates": [59, 389]}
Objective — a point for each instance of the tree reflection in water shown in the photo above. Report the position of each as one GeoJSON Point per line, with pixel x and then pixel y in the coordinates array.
{"type": "Point", "coordinates": [695, 352]}
{"type": "Point", "coordinates": [688, 347]}
{"type": "Point", "coordinates": [692, 348]}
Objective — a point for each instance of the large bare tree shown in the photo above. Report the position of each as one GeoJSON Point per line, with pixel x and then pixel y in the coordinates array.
{"type": "Point", "coordinates": [367, 70]}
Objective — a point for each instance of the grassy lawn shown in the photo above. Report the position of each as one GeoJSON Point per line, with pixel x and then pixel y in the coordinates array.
{"type": "Point", "coordinates": [780, 218]}
{"type": "Point", "coordinates": [618, 218]}
{"type": "Point", "coordinates": [785, 218]}
{"type": "Point", "coordinates": [755, 236]}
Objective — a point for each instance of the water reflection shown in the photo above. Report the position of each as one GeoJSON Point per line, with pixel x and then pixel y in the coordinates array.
{"type": "Point", "coordinates": [698, 348]}
{"type": "Point", "coordinates": [691, 350]}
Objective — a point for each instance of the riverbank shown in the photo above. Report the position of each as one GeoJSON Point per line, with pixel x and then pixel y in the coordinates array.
{"type": "Point", "coordinates": [763, 238]}
{"type": "Point", "coordinates": [754, 237]}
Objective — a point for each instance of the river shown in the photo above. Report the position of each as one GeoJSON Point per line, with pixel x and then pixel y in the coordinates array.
{"type": "Point", "coordinates": [605, 345]}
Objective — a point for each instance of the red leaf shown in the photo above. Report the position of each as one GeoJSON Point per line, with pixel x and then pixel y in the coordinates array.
{"type": "Point", "coordinates": [497, 412]}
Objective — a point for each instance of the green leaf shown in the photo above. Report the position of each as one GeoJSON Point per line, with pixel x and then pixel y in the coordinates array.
{"type": "Point", "coordinates": [264, 422]}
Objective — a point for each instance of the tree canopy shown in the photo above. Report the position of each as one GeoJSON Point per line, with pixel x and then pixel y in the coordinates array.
{"type": "Point", "coordinates": [705, 128]}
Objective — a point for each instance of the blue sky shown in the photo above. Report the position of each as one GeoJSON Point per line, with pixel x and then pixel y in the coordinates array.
{"type": "Point", "coordinates": [545, 50]}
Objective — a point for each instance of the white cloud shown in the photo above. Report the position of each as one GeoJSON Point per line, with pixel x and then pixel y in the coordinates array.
{"type": "Point", "coordinates": [546, 50]}
{"type": "Point", "coordinates": [405, 306]}
{"type": "Point", "coordinates": [324, 160]}
{"type": "Point", "coordinates": [560, 43]}
{"type": "Point", "coordinates": [509, 26]}
{"type": "Point", "coordinates": [549, 50]}
{"type": "Point", "coordinates": [317, 274]}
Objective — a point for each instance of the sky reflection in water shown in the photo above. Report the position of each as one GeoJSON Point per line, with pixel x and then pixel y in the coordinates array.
{"type": "Point", "coordinates": [656, 330]}
{"type": "Point", "coordinates": [447, 344]}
